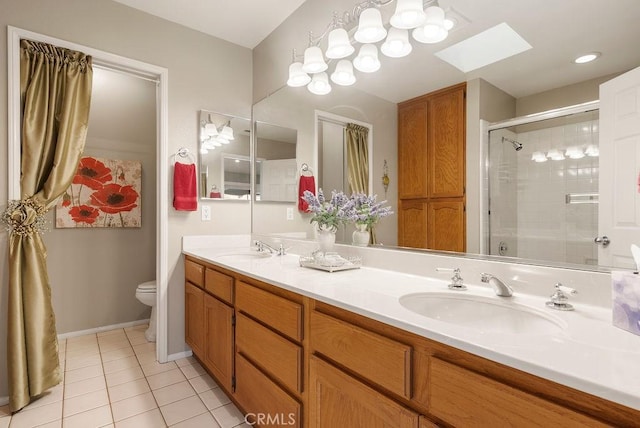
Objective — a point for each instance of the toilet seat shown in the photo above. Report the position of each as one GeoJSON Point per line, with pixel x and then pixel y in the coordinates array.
{"type": "Point", "coordinates": [147, 287]}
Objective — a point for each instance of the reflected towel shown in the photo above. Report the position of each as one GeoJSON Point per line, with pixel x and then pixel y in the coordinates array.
{"type": "Point", "coordinates": [185, 194]}
{"type": "Point", "coordinates": [306, 183]}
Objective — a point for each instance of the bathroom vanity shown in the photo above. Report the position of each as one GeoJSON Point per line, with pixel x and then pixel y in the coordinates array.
{"type": "Point", "coordinates": [298, 347]}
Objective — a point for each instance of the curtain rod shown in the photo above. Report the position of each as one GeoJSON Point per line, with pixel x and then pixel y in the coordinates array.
{"type": "Point", "coordinates": [115, 69]}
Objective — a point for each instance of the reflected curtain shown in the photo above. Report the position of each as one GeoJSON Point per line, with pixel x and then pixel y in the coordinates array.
{"type": "Point", "coordinates": [55, 91]}
{"type": "Point", "coordinates": [358, 162]}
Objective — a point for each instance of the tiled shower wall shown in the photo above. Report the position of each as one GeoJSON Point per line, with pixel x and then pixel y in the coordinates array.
{"type": "Point", "coordinates": [541, 224]}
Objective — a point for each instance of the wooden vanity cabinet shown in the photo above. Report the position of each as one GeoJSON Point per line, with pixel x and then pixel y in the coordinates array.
{"type": "Point", "coordinates": [311, 364]}
{"type": "Point", "coordinates": [431, 170]}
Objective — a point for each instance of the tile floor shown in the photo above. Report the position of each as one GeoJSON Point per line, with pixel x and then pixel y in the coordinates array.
{"type": "Point", "coordinates": [112, 379]}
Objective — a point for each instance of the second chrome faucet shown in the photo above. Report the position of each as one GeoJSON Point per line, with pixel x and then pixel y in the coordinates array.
{"type": "Point", "coordinates": [499, 287]}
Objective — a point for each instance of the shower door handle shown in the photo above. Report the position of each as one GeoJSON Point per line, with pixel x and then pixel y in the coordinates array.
{"type": "Point", "coordinates": [605, 241]}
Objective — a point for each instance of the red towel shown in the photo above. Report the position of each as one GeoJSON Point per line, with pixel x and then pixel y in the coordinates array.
{"type": "Point", "coordinates": [306, 183]}
{"type": "Point", "coordinates": [185, 194]}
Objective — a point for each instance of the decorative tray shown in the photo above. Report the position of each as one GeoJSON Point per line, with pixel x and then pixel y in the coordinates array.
{"type": "Point", "coordinates": [330, 262]}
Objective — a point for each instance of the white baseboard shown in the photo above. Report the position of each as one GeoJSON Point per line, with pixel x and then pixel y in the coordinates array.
{"type": "Point", "coordinates": [179, 355]}
{"type": "Point", "coordinates": [4, 401]}
{"type": "Point", "coordinates": [102, 329]}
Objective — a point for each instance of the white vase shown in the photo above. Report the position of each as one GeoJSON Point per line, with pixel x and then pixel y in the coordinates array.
{"type": "Point", "coordinates": [360, 236]}
{"type": "Point", "coordinates": [326, 237]}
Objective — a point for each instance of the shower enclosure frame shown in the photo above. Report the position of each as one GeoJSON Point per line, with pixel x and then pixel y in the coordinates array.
{"type": "Point", "coordinates": [485, 128]}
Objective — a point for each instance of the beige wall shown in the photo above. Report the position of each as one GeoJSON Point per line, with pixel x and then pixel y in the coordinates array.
{"type": "Point", "coordinates": [197, 80]}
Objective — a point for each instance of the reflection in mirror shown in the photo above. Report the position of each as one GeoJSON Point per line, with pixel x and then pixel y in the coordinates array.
{"type": "Point", "coordinates": [543, 186]}
{"type": "Point", "coordinates": [296, 108]}
{"type": "Point", "coordinates": [276, 165]}
{"type": "Point", "coordinates": [225, 147]}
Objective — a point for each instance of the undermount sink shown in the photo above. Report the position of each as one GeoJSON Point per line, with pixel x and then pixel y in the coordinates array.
{"type": "Point", "coordinates": [482, 314]}
{"type": "Point", "coordinates": [243, 255]}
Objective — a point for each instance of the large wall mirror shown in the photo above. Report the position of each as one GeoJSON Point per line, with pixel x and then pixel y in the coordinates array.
{"type": "Point", "coordinates": [225, 162]}
{"type": "Point", "coordinates": [511, 88]}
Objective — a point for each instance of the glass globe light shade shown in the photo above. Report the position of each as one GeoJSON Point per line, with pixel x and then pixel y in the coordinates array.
{"type": "Point", "coordinates": [313, 60]}
{"type": "Point", "coordinates": [433, 30]}
{"type": "Point", "coordinates": [297, 77]}
{"type": "Point", "coordinates": [339, 45]}
{"type": "Point", "coordinates": [319, 84]}
{"type": "Point", "coordinates": [408, 14]}
{"type": "Point", "coordinates": [367, 60]}
{"type": "Point", "coordinates": [343, 74]}
{"type": "Point", "coordinates": [226, 134]}
{"type": "Point", "coordinates": [397, 44]}
{"type": "Point", "coordinates": [370, 29]}
{"type": "Point", "coordinates": [210, 130]}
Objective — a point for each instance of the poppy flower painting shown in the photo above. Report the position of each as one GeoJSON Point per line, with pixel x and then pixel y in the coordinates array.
{"type": "Point", "coordinates": [103, 193]}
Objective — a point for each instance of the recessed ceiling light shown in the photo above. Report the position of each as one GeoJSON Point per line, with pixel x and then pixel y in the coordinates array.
{"type": "Point", "coordinates": [587, 58]}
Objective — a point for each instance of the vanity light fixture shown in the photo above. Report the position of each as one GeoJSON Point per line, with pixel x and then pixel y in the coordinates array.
{"type": "Point", "coordinates": [574, 152]}
{"type": "Point", "coordinates": [370, 28]}
{"type": "Point", "coordinates": [538, 157]}
{"type": "Point", "coordinates": [397, 44]}
{"type": "Point", "coordinates": [367, 60]}
{"type": "Point", "coordinates": [555, 155]}
{"type": "Point", "coordinates": [592, 150]}
{"type": "Point", "coordinates": [343, 75]}
{"type": "Point", "coordinates": [226, 134]}
{"type": "Point", "coordinates": [409, 14]}
{"type": "Point", "coordinates": [364, 23]}
{"type": "Point", "coordinates": [297, 76]}
{"type": "Point", "coordinates": [583, 59]}
{"type": "Point", "coordinates": [434, 29]}
{"type": "Point", "coordinates": [338, 44]}
{"type": "Point", "coordinates": [319, 84]}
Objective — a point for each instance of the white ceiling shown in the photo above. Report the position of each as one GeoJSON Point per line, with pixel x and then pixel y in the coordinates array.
{"type": "Point", "coordinates": [243, 22]}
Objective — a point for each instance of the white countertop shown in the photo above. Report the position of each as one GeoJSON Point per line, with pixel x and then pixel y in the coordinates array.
{"type": "Point", "coordinates": [590, 354]}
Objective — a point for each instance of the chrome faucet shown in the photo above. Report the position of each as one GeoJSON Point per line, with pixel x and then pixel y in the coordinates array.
{"type": "Point", "coordinates": [499, 287]}
{"type": "Point", "coordinates": [263, 246]}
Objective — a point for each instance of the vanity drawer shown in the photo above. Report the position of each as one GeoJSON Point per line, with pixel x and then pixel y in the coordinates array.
{"type": "Point", "coordinates": [276, 355]}
{"type": "Point", "coordinates": [374, 357]}
{"type": "Point", "coordinates": [261, 396]}
{"type": "Point", "coordinates": [277, 312]}
{"type": "Point", "coordinates": [194, 272]}
{"type": "Point", "coordinates": [220, 285]}
{"type": "Point", "coordinates": [462, 397]}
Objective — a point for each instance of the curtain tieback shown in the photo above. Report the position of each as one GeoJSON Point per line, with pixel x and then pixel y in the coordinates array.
{"type": "Point", "coordinates": [24, 217]}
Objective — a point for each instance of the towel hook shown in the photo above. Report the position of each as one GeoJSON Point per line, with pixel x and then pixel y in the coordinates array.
{"type": "Point", "coordinates": [305, 168]}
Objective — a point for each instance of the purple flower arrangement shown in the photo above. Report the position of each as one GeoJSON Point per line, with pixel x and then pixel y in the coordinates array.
{"type": "Point", "coordinates": [340, 209]}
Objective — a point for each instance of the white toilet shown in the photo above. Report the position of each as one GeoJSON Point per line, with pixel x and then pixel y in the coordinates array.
{"type": "Point", "coordinates": [146, 293]}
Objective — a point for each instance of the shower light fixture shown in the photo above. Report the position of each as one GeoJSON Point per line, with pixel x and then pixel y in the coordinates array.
{"type": "Point", "coordinates": [364, 22]}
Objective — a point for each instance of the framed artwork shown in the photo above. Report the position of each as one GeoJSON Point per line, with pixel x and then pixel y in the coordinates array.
{"type": "Point", "coordinates": [103, 193]}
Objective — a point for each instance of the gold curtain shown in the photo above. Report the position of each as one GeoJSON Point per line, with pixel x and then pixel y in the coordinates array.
{"type": "Point", "coordinates": [358, 162]}
{"type": "Point", "coordinates": [55, 90]}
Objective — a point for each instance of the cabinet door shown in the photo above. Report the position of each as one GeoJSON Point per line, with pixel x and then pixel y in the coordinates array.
{"type": "Point", "coordinates": [464, 398]}
{"type": "Point", "coordinates": [412, 223]}
{"type": "Point", "coordinates": [412, 150]}
{"type": "Point", "coordinates": [338, 400]}
{"type": "Point", "coordinates": [194, 318]}
{"type": "Point", "coordinates": [218, 349]}
{"type": "Point", "coordinates": [446, 143]}
{"type": "Point", "coordinates": [446, 226]}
